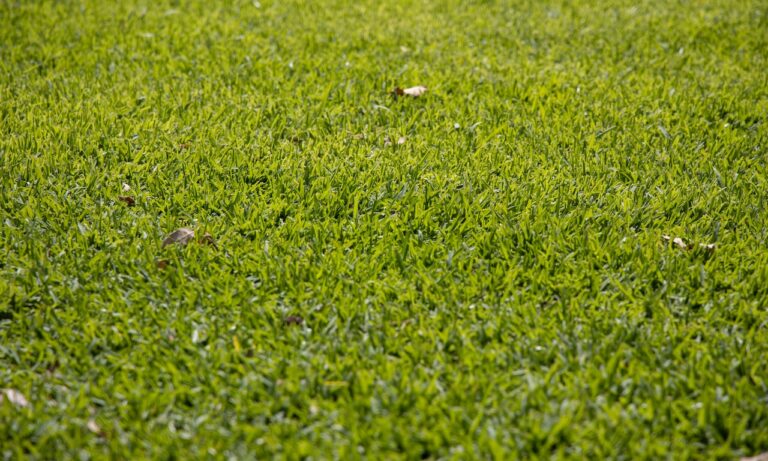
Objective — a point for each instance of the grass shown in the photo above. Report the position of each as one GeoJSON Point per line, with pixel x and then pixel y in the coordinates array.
{"type": "Point", "coordinates": [495, 285]}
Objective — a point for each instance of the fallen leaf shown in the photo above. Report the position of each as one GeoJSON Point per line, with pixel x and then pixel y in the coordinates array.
{"type": "Point", "coordinates": [401, 140]}
{"type": "Point", "coordinates": [677, 241]}
{"type": "Point", "coordinates": [162, 263]}
{"type": "Point", "coordinates": [93, 427]}
{"type": "Point", "coordinates": [413, 92]}
{"type": "Point", "coordinates": [293, 320]}
{"type": "Point", "coordinates": [181, 236]}
{"type": "Point", "coordinates": [760, 457]}
{"type": "Point", "coordinates": [130, 201]}
{"type": "Point", "coordinates": [208, 240]}
{"type": "Point", "coordinates": [126, 187]}
{"type": "Point", "coordinates": [14, 396]}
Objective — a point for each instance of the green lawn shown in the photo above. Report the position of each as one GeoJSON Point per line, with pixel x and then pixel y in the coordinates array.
{"type": "Point", "coordinates": [477, 273]}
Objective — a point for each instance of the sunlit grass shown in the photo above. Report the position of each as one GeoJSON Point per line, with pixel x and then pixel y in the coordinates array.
{"type": "Point", "coordinates": [479, 272]}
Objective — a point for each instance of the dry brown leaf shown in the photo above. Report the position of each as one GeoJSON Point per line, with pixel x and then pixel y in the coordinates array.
{"type": "Point", "coordinates": [14, 396]}
{"type": "Point", "coordinates": [677, 241]}
{"type": "Point", "coordinates": [680, 243]}
{"type": "Point", "coordinates": [93, 427]}
{"type": "Point", "coordinates": [293, 320]}
{"type": "Point", "coordinates": [208, 240]}
{"type": "Point", "coordinates": [413, 92]}
{"type": "Point", "coordinates": [760, 457]}
{"type": "Point", "coordinates": [181, 236]}
{"type": "Point", "coordinates": [388, 142]}
{"type": "Point", "coordinates": [162, 263]}
{"type": "Point", "coordinates": [127, 199]}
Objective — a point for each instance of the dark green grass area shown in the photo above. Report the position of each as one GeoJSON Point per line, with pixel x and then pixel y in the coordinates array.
{"type": "Point", "coordinates": [494, 285]}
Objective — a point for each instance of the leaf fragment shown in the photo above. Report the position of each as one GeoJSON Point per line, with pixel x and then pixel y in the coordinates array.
{"type": "Point", "coordinates": [181, 236]}
{"type": "Point", "coordinates": [94, 427]}
{"type": "Point", "coordinates": [208, 239]}
{"type": "Point", "coordinates": [293, 320]}
{"type": "Point", "coordinates": [14, 396]}
{"type": "Point", "coordinates": [127, 199]}
{"type": "Point", "coordinates": [413, 92]}
{"type": "Point", "coordinates": [388, 142]}
{"type": "Point", "coordinates": [760, 457]}
{"type": "Point", "coordinates": [126, 187]}
{"type": "Point", "coordinates": [677, 241]}
{"type": "Point", "coordinates": [162, 263]}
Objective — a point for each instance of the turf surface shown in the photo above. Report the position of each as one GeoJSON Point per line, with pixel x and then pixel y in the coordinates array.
{"type": "Point", "coordinates": [479, 272]}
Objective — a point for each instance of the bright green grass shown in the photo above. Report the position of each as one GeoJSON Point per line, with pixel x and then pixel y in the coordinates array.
{"type": "Point", "coordinates": [495, 287]}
